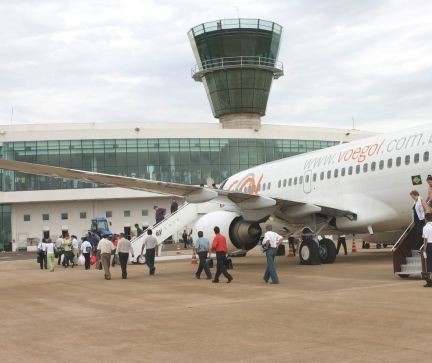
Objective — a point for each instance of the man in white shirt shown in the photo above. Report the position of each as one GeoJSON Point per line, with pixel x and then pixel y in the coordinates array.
{"type": "Point", "coordinates": [86, 249]}
{"type": "Point", "coordinates": [124, 247]}
{"type": "Point", "coordinates": [58, 246]}
{"type": "Point", "coordinates": [150, 244]}
{"type": "Point", "coordinates": [271, 242]}
{"type": "Point", "coordinates": [427, 249]}
{"type": "Point", "coordinates": [75, 249]}
{"type": "Point", "coordinates": [105, 248]}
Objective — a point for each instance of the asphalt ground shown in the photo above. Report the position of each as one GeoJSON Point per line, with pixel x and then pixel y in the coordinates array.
{"type": "Point", "coordinates": [354, 310]}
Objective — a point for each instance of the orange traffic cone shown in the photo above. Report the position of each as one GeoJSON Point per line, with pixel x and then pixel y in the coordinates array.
{"type": "Point", "coordinates": [194, 260]}
{"type": "Point", "coordinates": [178, 250]}
{"type": "Point", "coordinates": [353, 248]}
{"type": "Point", "coordinates": [290, 252]}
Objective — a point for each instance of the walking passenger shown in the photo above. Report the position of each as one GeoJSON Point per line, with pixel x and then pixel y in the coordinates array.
{"type": "Point", "coordinates": [202, 246]}
{"type": "Point", "coordinates": [124, 247]}
{"type": "Point", "coordinates": [59, 248]}
{"type": "Point", "coordinates": [42, 258]}
{"type": "Point", "coordinates": [86, 249]}
{"type": "Point", "coordinates": [185, 238]}
{"type": "Point", "coordinates": [271, 241]}
{"type": "Point", "coordinates": [174, 206]}
{"type": "Point", "coordinates": [159, 213]}
{"type": "Point", "coordinates": [427, 250]}
{"type": "Point", "coordinates": [419, 218]}
{"type": "Point", "coordinates": [106, 248]}
{"type": "Point", "coordinates": [49, 250]}
{"type": "Point", "coordinates": [219, 245]}
{"type": "Point", "coordinates": [75, 249]}
{"type": "Point", "coordinates": [139, 231]}
{"type": "Point", "coordinates": [115, 241]}
{"type": "Point", "coordinates": [67, 250]}
{"type": "Point", "coordinates": [150, 244]}
{"type": "Point", "coordinates": [428, 201]}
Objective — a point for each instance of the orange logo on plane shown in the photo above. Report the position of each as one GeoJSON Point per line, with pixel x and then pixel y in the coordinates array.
{"type": "Point", "coordinates": [247, 181]}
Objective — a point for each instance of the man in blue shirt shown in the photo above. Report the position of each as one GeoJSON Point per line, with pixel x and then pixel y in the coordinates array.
{"type": "Point", "coordinates": [202, 247]}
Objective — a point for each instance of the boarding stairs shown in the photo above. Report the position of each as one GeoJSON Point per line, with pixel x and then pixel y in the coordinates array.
{"type": "Point", "coordinates": [186, 214]}
{"type": "Point", "coordinates": [407, 261]}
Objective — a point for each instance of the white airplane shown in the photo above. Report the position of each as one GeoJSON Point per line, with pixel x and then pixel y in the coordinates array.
{"type": "Point", "coordinates": [361, 187]}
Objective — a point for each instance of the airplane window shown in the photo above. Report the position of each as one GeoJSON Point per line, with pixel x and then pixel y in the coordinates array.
{"type": "Point", "coordinates": [343, 171]}
{"type": "Point", "coordinates": [314, 177]}
{"type": "Point", "coordinates": [407, 159]}
{"type": "Point", "coordinates": [329, 174]}
{"type": "Point", "coordinates": [307, 179]}
{"type": "Point", "coordinates": [322, 176]}
{"type": "Point", "coordinates": [295, 181]}
{"type": "Point", "coordinates": [336, 173]}
{"type": "Point", "coordinates": [284, 183]}
{"type": "Point", "coordinates": [389, 163]}
{"type": "Point", "coordinates": [416, 158]}
{"type": "Point", "coordinates": [350, 170]}
{"type": "Point", "coordinates": [365, 168]}
{"type": "Point", "coordinates": [398, 161]}
{"type": "Point", "coordinates": [426, 156]}
{"type": "Point", "coordinates": [373, 166]}
{"type": "Point", "coordinates": [357, 169]}
{"type": "Point", "coordinates": [279, 184]}
{"type": "Point", "coordinates": [289, 181]}
{"type": "Point", "coordinates": [381, 164]}
{"type": "Point", "coordinates": [301, 180]}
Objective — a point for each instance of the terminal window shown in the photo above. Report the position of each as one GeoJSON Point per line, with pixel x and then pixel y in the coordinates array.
{"type": "Point", "coordinates": [108, 214]}
{"type": "Point", "coordinates": [126, 213]}
{"type": "Point", "coordinates": [64, 216]}
{"type": "Point", "coordinates": [83, 215]}
{"type": "Point", "coordinates": [26, 217]}
{"type": "Point", "coordinates": [45, 217]}
{"type": "Point", "coordinates": [144, 212]}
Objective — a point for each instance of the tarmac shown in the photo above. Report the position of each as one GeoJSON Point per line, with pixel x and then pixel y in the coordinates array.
{"type": "Point", "coordinates": [354, 310]}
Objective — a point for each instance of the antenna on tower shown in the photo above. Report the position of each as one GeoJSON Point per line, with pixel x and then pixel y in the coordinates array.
{"type": "Point", "coordinates": [237, 11]}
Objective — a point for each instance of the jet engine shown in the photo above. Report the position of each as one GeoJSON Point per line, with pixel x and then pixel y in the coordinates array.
{"type": "Point", "coordinates": [241, 234]}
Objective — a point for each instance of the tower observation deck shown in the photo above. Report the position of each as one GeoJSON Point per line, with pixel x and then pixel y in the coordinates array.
{"type": "Point", "coordinates": [236, 62]}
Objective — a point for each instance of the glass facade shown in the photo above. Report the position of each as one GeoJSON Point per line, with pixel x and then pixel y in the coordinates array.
{"type": "Point", "coordinates": [5, 227]}
{"type": "Point", "coordinates": [188, 161]}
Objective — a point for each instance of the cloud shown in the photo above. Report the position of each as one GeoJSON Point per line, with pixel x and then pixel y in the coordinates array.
{"type": "Point", "coordinates": [113, 60]}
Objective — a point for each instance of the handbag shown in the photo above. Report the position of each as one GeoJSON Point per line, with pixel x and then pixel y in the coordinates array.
{"type": "Point", "coordinates": [228, 264]}
{"type": "Point", "coordinates": [209, 262]}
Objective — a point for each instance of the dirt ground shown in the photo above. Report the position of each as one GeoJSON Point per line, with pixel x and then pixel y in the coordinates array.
{"type": "Point", "coordinates": [352, 311]}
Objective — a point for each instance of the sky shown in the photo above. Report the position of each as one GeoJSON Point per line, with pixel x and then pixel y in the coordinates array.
{"type": "Point", "coordinates": [130, 61]}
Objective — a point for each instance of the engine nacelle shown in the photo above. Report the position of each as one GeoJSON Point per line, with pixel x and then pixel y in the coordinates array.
{"type": "Point", "coordinates": [241, 234]}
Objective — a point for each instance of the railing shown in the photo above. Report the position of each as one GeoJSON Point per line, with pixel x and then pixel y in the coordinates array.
{"type": "Point", "coordinates": [402, 248]}
{"type": "Point", "coordinates": [237, 23]}
{"type": "Point", "coordinates": [210, 65]}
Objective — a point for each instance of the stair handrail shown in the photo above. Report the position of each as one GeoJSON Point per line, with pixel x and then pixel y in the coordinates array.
{"type": "Point", "coordinates": [402, 236]}
{"type": "Point", "coordinates": [157, 224]}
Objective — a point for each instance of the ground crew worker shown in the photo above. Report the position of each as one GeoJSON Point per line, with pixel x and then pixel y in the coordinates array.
{"type": "Point", "coordinates": [124, 246]}
{"type": "Point", "coordinates": [427, 236]}
{"type": "Point", "coordinates": [202, 247]}
{"type": "Point", "coordinates": [219, 245]}
{"type": "Point", "coordinates": [271, 242]}
{"type": "Point", "coordinates": [150, 244]}
{"type": "Point", "coordinates": [105, 248]}
{"type": "Point", "coordinates": [342, 241]}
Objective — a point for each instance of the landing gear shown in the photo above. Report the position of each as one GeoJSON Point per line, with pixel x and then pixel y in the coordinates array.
{"type": "Point", "coordinates": [327, 251]}
{"type": "Point", "coordinates": [365, 245]}
{"type": "Point", "coordinates": [309, 252]}
{"type": "Point", "coordinates": [378, 246]}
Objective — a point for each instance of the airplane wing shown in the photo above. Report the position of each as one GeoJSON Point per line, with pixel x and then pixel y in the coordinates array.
{"type": "Point", "coordinates": [192, 193]}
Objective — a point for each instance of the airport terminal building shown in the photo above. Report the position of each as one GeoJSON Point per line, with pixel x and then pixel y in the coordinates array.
{"type": "Point", "coordinates": [176, 152]}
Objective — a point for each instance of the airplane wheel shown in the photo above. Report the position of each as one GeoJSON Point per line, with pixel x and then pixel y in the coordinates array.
{"type": "Point", "coordinates": [378, 246]}
{"type": "Point", "coordinates": [327, 251]}
{"type": "Point", "coordinates": [309, 253]}
{"type": "Point", "coordinates": [385, 245]}
{"type": "Point", "coordinates": [366, 246]}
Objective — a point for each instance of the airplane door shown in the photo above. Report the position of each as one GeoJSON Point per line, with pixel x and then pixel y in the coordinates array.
{"type": "Point", "coordinates": [307, 181]}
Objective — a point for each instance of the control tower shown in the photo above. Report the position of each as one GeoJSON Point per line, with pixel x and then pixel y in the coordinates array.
{"type": "Point", "coordinates": [236, 62]}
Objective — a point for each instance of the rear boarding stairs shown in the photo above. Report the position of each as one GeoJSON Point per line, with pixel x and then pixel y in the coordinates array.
{"type": "Point", "coordinates": [407, 260]}
{"type": "Point", "coordinates": [186, 214]}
